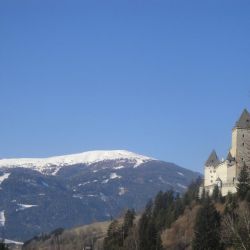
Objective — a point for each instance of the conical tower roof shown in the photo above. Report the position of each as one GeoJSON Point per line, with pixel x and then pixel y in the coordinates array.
{"type": "Point", "coordinates": [244, 120]}
{"type": "Point", "coordinates": [230, 157]}
{"type": "Point", "coordinates": [212, 160]}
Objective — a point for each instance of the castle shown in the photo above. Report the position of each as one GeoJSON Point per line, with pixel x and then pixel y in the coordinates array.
{"type": "Point", "coordinates": [225, 173]}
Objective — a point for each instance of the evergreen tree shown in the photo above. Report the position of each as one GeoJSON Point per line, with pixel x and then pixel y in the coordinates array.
{"type": "Point", "coordinates": [158, 242]}
{"type": "Point", "coordinates": [114, 239]}
{"type": "Point", "coordinates": [149, 236]}
{"type": "Point", "coordinates": [207, 228]}
{"type": "Point", "coordinates": [3, 246]}
{"type": "Point", "coordinates": [143, 227]}
{"type": "Point", "coordinates": [163, 212]}
{"type": "Point", "coordinates": [244, 183]}
{"type": "Point", "coordinates": [192, 193]}
{"type": "Point", "coordinates": [231, 204]}
{"type": "Point", "coordinates": [128, 222]}
{"type": "Point", "coordinates": [216, 193]}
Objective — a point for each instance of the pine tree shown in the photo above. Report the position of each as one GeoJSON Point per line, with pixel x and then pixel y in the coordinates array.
{"type": "Point", "coordinates": [3, 246]}
{"type": "Point", "coordinates": [231, 204]}
{"type": "Point", "coordinates": [149, 236]}
{"type": "Point", "coordinates": [128, 222]}
{"type": "Point", "coordinates": [114, 238]}
{"type": "Point", "coordinates": [216, 193]}
{"type": "Point", "coordinates": [244, 183]}
{"type": "Point", "coordinates": [143, 227]}
{"type": "Point", "coordinates": [207, 228]}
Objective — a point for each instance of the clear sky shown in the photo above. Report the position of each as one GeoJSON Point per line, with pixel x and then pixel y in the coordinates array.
{"type": "Point", "coordinates": [166, 78]}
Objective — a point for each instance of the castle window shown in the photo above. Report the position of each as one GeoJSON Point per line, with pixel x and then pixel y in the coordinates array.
{"type": "Point", "coordinates": [243, 135]}
{"type": "Point", "coordinates": [211, 181]}
{"type": "Point", "coordinates": [243, 144]}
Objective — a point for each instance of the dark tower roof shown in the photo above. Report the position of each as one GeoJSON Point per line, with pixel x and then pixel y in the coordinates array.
{"type": "Point", "coordinates": [212, 160]}
{"type": "Point", "coordinates": [244, 120]}
{"type": "Point", "coordinates": [230, 157]}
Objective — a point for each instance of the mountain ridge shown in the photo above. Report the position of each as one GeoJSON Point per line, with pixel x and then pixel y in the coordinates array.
{"type": "Point", "coordinates": [33, 201]}
{"type": "Point", "coordinates": [87, 158]}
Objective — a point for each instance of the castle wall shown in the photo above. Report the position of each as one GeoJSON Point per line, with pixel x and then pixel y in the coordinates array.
{"type": "Point", "coordinates": [228, 189]}
{"type": "Point", "coordinates": [241, 146]}
{"type": "Point", "coordinates": [221, 172]}
{"type": "Point", "coordinates": [229, 170]}
{"type": "Point", "coordinates": [231, 173]}
{"type": "Point", "coordinates": [234, 143]}
{"type": "Point", "coordinates": [210, 175]}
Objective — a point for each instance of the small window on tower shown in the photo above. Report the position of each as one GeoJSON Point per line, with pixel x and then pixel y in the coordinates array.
{"type": "Point", "coordinates": [243, 135]}
{"type": "Point", "coordinates": [243, 144]}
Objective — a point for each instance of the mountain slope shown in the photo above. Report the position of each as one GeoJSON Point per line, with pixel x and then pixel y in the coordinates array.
{"type": "Point", "coordinates": [52, 165]}
{"type": "Point", "coordinates": [39, 195]}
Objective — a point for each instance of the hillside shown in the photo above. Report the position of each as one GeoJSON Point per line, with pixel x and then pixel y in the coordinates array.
{"type": "Point", "coordinates": [168, 223]}
{"type": "Point", "coordinates": [39, 195]}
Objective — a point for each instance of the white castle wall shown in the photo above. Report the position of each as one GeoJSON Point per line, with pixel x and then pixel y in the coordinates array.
{"type": "Point", "coordinates": [228, 171]}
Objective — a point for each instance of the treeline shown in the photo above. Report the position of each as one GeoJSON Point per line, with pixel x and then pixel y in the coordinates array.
{"type": "Point", "coordinates": [220, 223]}
{"type": "Point", "coordinates": [158, 215]}
{"type": "Point", "coordinates": [230, 228]}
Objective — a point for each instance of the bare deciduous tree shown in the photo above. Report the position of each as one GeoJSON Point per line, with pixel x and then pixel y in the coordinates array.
{"type": "Point", "coordinates": [236, 228]}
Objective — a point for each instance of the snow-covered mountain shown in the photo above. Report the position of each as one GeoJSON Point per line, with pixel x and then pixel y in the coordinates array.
{"type": "Point", "coordinates": [52, 165]}
{"type": "Point", "coordinates": [39, 195]}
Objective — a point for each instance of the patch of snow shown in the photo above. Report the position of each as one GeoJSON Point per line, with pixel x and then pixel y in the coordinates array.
{"type": "Point", "coordinates": [52, 165]}
{"type": "Point", "coordinates": [103, 197]}
{"type": "Point", "coordinates": [84, 183]}
{"type": "Point", "coordinates": [119, 167]}
{"type": "Point", "coordinates": [114, 176]}
{"type": "Point", "coordinates": [81, 196]}
{"type": "Point", "coordinates": [122, 191]}
{"type": "Point", "coordinates": [12, 242]}
{"type": "Point", "coordinates": [78, 196]}
{"type": "Point", "coordinates": [161, 179]}
{"type": "Point", "coordinates": [95, 180]}
{"type": "Point", "coordinates": [105, 181]}
{"type": "Point", "coordinates": [181, 186]}
{"type": "Point", "coordinates": [180, 173]}
{"type": "Point", "coordinates": [25, 206]}
{"type": "Point", "coordinates": [2, 218]}
{"type": "Point", "coordinates": [45, 184]}
{"type": "Point", "coordinates": [169, 183]}
{"type": "Point", "coordinates": [94, 171]}
{"type": "Point", "coordinates": [4, 177]}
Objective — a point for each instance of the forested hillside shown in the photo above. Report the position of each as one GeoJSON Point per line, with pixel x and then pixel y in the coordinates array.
{"type": "Point", "coordinates": [172, 222]}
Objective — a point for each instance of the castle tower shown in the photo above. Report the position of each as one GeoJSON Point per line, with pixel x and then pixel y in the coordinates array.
{"type": "Point", "coordinates": [210, 169]}
{"type": "Point", "coordinates": [240, 149]}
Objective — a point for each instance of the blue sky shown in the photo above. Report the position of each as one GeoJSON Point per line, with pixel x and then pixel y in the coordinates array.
{"type": "Point", "coordinates": [166, 79]}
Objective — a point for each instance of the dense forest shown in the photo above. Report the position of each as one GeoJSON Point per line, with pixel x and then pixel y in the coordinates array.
{"type": "Point", "coordinates": [218, 223]}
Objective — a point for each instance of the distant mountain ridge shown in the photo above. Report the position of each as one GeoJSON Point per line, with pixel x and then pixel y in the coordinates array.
{"type": "Point", "coordinates": [45, 165]}
{"type": "Point", "coordinates": [39, 195]}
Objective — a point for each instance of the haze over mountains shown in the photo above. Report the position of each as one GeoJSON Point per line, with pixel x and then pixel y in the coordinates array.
{"type": "Point", "coordinates": [39, 195]}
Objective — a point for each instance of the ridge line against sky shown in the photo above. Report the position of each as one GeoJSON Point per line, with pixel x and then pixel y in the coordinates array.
{"type": "Point", "coordinates": [166, 79]}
